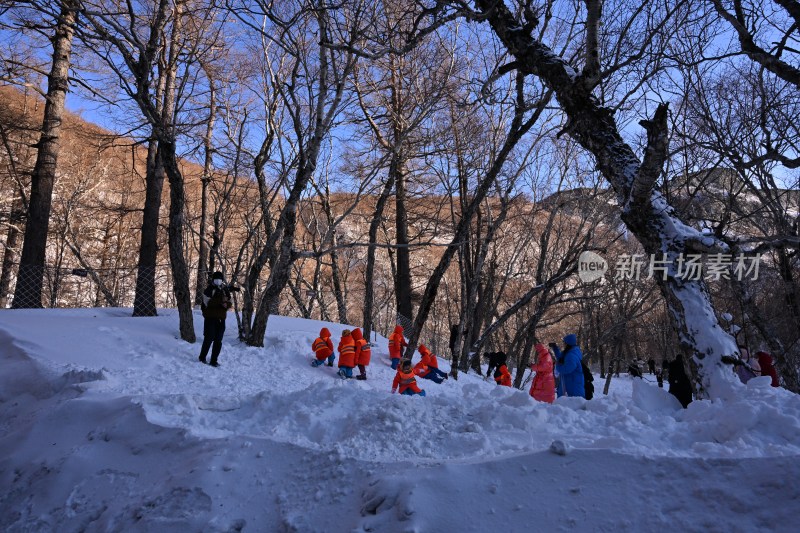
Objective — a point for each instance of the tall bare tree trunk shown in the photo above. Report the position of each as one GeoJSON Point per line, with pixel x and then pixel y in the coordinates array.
{"type": "Point", "coordinates": [144, 303]}
{"type": "Point", "coordinates": [402, 281]}
{"type": "Point", "coordinates": [28, 291]}
{"type": "Point", "coordinates": [177, 194]}
{"type": "Point", "coordinates": [12, 239]}
{"type": "Point", "coordinates": [202, 261]}
{"type": "Point", "coordinates": [369, 276]}
{"type": "Point", "coordinates": [177, 220]}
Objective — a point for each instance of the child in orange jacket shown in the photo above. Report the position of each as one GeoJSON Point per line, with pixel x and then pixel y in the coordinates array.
{"type": "Point", "coordinates": [406, 381]}
{"type": "Point", "coordinates": [363, 353]}
{"type": "Point", "coordinates": [396, 344]}
{"type": "Point", "coordinates": [502, 376]}
{"type": "Point", "coordinates": [428, 367]}
{"type": "Point", "coordinates": [347, 355]}
{"type": "Point", "coordinates": [323, 348]}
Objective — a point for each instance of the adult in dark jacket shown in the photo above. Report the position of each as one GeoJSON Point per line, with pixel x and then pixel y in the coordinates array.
{"type": "Point", "coordinates": [216, 302]}
{"type": "Point", "coordinates": [569, 368]}
{"type": "Point", "coordinates": [679, 384]}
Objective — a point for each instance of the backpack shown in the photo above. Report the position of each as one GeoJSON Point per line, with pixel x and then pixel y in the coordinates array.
{"type": "Point", "coordinates": [588, 378]}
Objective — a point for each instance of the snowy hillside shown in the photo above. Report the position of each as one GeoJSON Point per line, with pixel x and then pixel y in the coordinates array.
{"type": "Point", "coordinates": [109, 423]}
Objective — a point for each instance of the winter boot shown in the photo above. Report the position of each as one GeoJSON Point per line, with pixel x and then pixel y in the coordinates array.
{"type": "Point", "coordinates": [202, 359]}
{"type": "Point", "coordinates": [361, 377]}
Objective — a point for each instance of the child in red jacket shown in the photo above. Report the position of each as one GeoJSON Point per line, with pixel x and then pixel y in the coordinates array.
{"type": "Point", "coordinates": [347, 355]}
{"type": "Point", "coordinates": [502, 376]}
{"type": "Point", "coordinates": [406, 381]}
{"type": "Point", "coordinates": [428, 367]}
{"type": "Point", "coordinates": [363, 353]}
{"type": "Point", "coordinates": [396, 344]}
{"type": "Point", "coordinates": [323, 348]}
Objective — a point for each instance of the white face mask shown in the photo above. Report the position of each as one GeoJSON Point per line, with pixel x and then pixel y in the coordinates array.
{"type": "Point", "coordinates": [218, 282]}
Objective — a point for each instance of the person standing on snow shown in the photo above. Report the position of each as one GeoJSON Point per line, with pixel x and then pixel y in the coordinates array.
{"type": "Point", "coordinates": [543, 388]}
{"type": "Point", "coordinates": [568, 366]}
{"type": "Point", "coordinates": [347, 355]}
{"type": "Point", "coordinates": [323, 348]}
{"type": "Point", "coordinates": [405, 380]}
{"type": "Point", "coordinates": [363, 353]}
{"type": "Point", "coordinates": [215, 304]}
{"type": "Point", "coordinates": [396, 345]}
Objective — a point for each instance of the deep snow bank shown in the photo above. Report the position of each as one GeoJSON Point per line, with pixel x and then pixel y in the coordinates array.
{"type": "Point", "coordinates": [109, 423]}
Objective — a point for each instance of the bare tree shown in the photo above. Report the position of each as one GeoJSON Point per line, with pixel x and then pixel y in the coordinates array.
{"type": "Point", "coordinates": [28, 291]}
{"type": "Point", "coordinates": [644, 210]}
{"type": "Point", "coordinates": [130, 42]}
{"type": "Point", "coordinates": [318, 69]}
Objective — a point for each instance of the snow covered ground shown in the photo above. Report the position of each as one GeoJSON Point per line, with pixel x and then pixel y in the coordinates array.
{"type": "Point", "coordinates": [109, 423]}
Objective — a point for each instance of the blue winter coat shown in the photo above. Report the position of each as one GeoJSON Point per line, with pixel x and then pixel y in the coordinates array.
{"type": "Point", "coordinates": [571, 372]}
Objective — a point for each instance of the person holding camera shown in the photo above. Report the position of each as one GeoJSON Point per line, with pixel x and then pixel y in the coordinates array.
{"type": "Point", "coordinates": [215, 305]}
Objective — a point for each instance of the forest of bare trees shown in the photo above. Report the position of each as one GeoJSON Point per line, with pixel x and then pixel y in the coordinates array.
{"type": "Point", "coordinates": [439, 163]}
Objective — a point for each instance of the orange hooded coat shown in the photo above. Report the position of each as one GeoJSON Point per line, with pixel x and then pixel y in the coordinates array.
{"type": "Point", "coordinates": [504, 377]}
{"type": "Point", "coordinates": [396, 343]}
{"type": "Point", "coordinates": [421, 369]}
{"type": "Point", "coordinates": [432, 361]}
{"type": "Point", "coordinates": [347, 351]}
{"type": "Point", "coordinates": [405, 381]}
{"type": "Point", "coordinates": [363, 351]}
{"type": "Point", "coordinates": [323, 345]}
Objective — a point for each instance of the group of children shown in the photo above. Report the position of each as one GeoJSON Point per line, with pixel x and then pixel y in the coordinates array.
{"type": "Point", "coordinates": [354, 351]}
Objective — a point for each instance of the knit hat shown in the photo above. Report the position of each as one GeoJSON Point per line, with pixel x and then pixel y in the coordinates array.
{"type": "Point", "coordinates": [217, 275]}
{"type": "Point", "coordinates": [571, 340]}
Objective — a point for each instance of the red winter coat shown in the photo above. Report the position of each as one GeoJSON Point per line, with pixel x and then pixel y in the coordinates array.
{"type": "Point", "coordinates": [347, 351]}
{"type": "Point", "coordinates": [543, 387]}
{"type": "Point", "coordinates": [767, 368]}
{"type": "Point", "coordinates": [421, 369]}
{"type": "Point", "coordinates": [323, 345]}
{"type": "Point", "coordinates": [432, 361]}
{"type": "Point", "coordinates": [396, 343]}
{"type": "Point", "coordinates": [363, 351]}
{"type": "Point", "coordinates": [405, 381]}
{"type": "Point", "coordinates": [503, 376]}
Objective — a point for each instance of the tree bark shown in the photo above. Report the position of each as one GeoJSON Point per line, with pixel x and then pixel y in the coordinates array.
{"type": "Point", "coordinates": [144, 303]}
{"type": "Point", "coordinates": [180, 271]}
{"type": "Point", "coordinates": [202, 261]}
{"type": "Point", "coordinates": [369, 276]}
{"type": "Point", "coordinates": [28, 291]}
{"type": "Point", "coordinates": [12, 238]}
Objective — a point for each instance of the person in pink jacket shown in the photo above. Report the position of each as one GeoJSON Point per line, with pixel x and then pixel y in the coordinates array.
{"type": "Point", "coordinates": [543, 388]}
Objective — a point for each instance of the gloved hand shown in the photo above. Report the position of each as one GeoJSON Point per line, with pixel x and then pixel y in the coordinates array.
{"type": "Point", "coordinates": [394, 391]}
{"type": "Point", "coordinates": [553, 345]}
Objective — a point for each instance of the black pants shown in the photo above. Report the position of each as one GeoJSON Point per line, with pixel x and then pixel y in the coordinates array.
{"type": "Point", "coordinates": [213, 329]}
